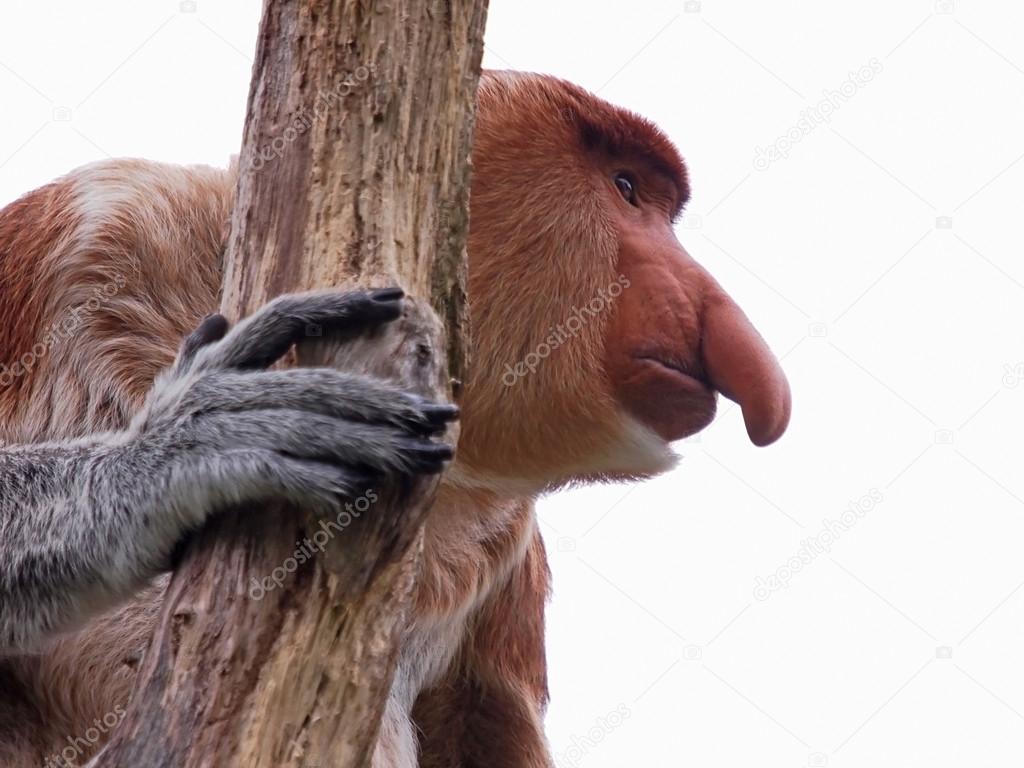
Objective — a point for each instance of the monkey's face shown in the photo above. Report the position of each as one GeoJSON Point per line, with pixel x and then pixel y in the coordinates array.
{"type": "Point", "coordinates": [597, 340]}
{"type": "Point", "coordinates": [676, 337]}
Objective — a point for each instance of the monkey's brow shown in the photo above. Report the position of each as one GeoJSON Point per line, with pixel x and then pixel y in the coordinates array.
{"type": "Point", "coordinates": [679, 184]}
{"type": "Point", "coordinates": [624, 135]}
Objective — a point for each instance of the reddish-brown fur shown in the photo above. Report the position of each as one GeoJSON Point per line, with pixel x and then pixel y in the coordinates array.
{"type": "Point", "coordinates": [549, 234]}
{"type": "Point", "coordinates": [29, 230]}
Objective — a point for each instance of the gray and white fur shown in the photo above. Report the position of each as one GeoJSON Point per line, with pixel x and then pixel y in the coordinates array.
{"type": "Point", "coordinates": [89, 522]}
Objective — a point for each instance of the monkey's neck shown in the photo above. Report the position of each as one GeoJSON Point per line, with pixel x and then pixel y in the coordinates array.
{"type": "Point", "coordinates": [473, 538]}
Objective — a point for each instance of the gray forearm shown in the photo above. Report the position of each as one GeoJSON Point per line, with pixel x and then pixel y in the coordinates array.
{"type": "Point", "coordinates": [72, 539]}
{"type": "Point", "coordinates": [85, 524]}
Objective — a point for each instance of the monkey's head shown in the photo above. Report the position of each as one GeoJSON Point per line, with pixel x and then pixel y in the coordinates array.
{"type": "Point", "coordinates": [597, 339]}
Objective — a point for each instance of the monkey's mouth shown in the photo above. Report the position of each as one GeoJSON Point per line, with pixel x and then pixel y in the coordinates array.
{"type": "Point", "coordinates": [687, 377]}
{"type": "Point", "coordinates": [670, 397]}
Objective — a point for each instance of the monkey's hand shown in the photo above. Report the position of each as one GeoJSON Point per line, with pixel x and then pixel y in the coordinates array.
{"type": "Point", "coordinates": [86, 523]}
{"type": "Point", "coordinates": [307, 435]}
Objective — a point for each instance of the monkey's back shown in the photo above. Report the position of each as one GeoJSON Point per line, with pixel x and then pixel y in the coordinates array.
{"type": "Point", "coordinates": [102, 272]}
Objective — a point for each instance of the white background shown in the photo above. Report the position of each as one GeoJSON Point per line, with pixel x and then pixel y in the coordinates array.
{"type": "Point", "coordinates": [881, 259]}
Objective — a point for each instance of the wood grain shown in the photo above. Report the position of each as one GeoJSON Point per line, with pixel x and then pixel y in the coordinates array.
{"type": "Point", "coordinates": [354, 171]}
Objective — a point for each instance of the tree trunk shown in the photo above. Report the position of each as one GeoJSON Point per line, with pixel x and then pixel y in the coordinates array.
{"type": "Point", "coordinates": [354, 170]}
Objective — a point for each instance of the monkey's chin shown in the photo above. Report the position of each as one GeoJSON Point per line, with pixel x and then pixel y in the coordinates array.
{"type": "Point", "coordinates": [668, 401]}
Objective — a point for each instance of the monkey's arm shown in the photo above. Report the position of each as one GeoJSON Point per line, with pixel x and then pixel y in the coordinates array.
{"type": "Point", "coordinates": [76, 533]}
{"type": "Point", "coordinates": [489, 710]}
{"type": "Point", "coordinates": [86, 523]}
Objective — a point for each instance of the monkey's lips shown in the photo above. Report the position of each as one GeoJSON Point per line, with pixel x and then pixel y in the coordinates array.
{"type": "Point", "coordinates": [667, 397]}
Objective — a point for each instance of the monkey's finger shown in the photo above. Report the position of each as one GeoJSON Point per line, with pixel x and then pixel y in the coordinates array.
{"type": "Point", "coordinates": [255, 475]}
{"type": "Point", "coordinates": [319, 390]}
{"type": "Point", "coordinates": [370, 447]}
{"type": "Point", "coordinates": [439, 415]}
{"type": "Point", "coordinates": [212, 328]}
{"type": "Point", "coordinates": [262, 338]}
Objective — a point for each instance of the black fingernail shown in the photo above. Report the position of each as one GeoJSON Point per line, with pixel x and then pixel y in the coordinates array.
{"type": "Point", "coordinates": [213, 327]}
{"type": "Point", "coordinates": [424, 449]}
{"type": "Point", "coordinates": [441, 451]}
{"type": "Point", "coordinates": [440, 413]}
{"type": "Point", "coordinates": [387, 294]}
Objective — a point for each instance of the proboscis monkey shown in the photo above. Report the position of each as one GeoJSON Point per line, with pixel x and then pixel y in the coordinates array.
{"type": "Point", "coordinates": [597, 342]}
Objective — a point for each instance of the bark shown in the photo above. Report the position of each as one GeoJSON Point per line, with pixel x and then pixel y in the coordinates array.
{"type": "Point", "coordinates": [354, 170]}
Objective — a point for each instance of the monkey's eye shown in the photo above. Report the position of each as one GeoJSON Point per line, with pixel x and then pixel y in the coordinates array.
{"type": "Point", "coordinates": [626, 187]}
